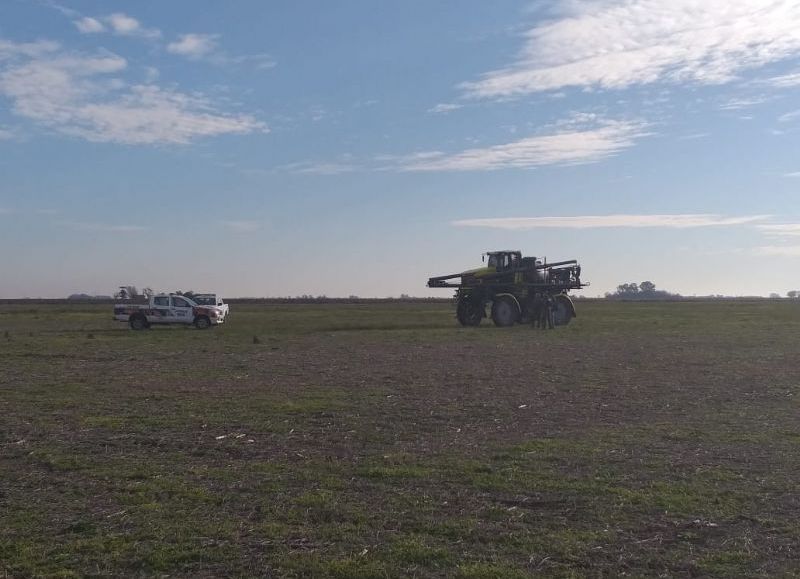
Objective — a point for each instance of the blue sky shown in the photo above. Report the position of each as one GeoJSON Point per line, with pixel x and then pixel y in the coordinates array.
{"type": "Point", "coordinates": [359, 147]}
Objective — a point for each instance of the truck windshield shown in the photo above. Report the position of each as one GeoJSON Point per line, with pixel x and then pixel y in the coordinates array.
{"type": "Point", "coordinates": [205, 301]}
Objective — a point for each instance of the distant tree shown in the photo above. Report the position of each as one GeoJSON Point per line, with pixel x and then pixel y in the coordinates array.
{"type": "Point", "coordinates": [647, 287]}
{"type": "Point", "coordinates": [793, 294]}
{"type": "Point", "coordinates": [79, 297]}
{"type": "Point", "coordinates": [774, 296]}
{"type": "Point", "coordinates": [628, 288]}
{"type": "Point", "coordinates": [148, 292]}
{"type": "Point", "coordinates": [642, 291]}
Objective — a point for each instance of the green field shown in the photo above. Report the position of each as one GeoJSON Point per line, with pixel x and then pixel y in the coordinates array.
{"type": "Point", "coordinates": [382, 440]}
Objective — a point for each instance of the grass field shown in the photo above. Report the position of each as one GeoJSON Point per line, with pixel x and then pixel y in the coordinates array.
{"type": "Point", "coordinates": [382, 440]}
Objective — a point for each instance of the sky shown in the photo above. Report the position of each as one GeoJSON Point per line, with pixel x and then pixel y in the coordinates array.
{"type": "Point", "coordinates": [359, 147]}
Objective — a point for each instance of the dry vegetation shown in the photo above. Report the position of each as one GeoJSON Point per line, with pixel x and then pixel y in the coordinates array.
{"type": "Point", "coordinates": [382, 440]}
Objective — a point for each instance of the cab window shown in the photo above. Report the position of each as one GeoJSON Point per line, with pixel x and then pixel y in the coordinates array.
{"type": "Point", "coordinates": [180, 303]}
{"type": "Point", "coordinates": [161, 301]}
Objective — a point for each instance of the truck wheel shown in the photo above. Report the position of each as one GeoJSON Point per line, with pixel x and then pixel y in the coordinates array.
{"type": "Point", "coordinates": [202, 323]}
{"type": "Point", "coordinates": [563, 312]}
{"type": "Point", "coordinates": [469, 313]}
{"type": "Point", "coordinates": [504, 312]}
{"type": "Point", "coordinates": [138, 322]}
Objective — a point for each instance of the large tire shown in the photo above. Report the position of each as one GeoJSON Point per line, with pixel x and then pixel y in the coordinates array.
{"type": "Point", "coordinates": [562, 313]}
{"type": "Point", "coordinates": [137, 322]}
{"type": "Point", "coordinates": [202, 322]}
{"type": "Point", "coordinates": [505, 312]}
{"type": "Point", "coordinates": [469, 312]}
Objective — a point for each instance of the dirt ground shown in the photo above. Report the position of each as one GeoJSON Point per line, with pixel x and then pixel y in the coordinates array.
{"type": "Point", "coordinates": [383, 440]}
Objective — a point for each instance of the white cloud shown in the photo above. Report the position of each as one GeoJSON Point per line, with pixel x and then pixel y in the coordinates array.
{"type": "Point", "coordinates": [5, 134]}
{"type": "Point", "coordinates": [778, 250]}
{"type": "Point", "coordinates": [11, 50]}
{"type": "Point", "coordinates": [781, 229]}
{"type": "Point", "coordinates": [445, 108]}
{"type": "Point", "coordinates": [679, 221]}
{"type": "Point", "coordinates": [785, 118]}
{"type": "Point", "coordinates": [84, 96]}
{"type": "Point", "coordinates": [615, 44]}
{"type": "Point", "coordinates": [124, 25]}
{"type": "Point", "coordinates": [88, 25]}
{"type": "Point", "coordinates": [241, 226]}
{"type": "Point", "coordinates": [193, 45]}
{"type": "Point", "coordinates": [567, 144]}
{"type": "Point", "coordinates": [792, 174]}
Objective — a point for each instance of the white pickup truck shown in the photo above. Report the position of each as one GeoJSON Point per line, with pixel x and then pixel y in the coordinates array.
{"type": "Point", "coordinates": [212, 300]}
{"type": "Point", "coordinates": [167, 309]}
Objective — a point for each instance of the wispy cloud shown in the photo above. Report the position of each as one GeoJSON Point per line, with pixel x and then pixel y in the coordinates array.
{"type": "Point", "coordinates": [792, 174]}
{"type": "Point", "coordinates": [205, 47]}
{"type": "Point", "coordinates": [781, 229]}
{"type": "Point", "coordinates": [85, 96]}
{"type": "Point", "coordinates": [11, 50]}
{"type": "Point", "coordinates": [104, 227]}
{"type": "Point", "coordinates": [194, 45]}
{"type": "Point", "coordinates": [777, 250]}
{"type": "Point", "coordinates": [241, 226]}
{"type": "Point", "coordinates": [445, 108]}
{"type": "Point", "coordinates": [736, 104]}
{"type": "Point", "coordinates": [314, 168]}
{"type": "Point", "coordinates": [678, 221]}
{"type": "Point", "coordinates": [785, 81]}
{"type": "Point", "coordinates": [565, 144]}
{"type": "Point", "coordinates": [259, 61]}
{"type": "Point", "coordinates": [790, 116]}
{"type": "Point", "coordinates": [616, 44]}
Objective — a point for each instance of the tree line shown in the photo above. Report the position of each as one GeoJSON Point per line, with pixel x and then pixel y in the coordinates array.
{"type": "Point", "coordinates": [645, 290]}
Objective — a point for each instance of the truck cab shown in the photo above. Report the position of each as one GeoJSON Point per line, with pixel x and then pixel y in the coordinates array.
{"type": "Point", "coordinates": [168, 309]}
{"type": "Point", "coordinates": [212, 300]}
